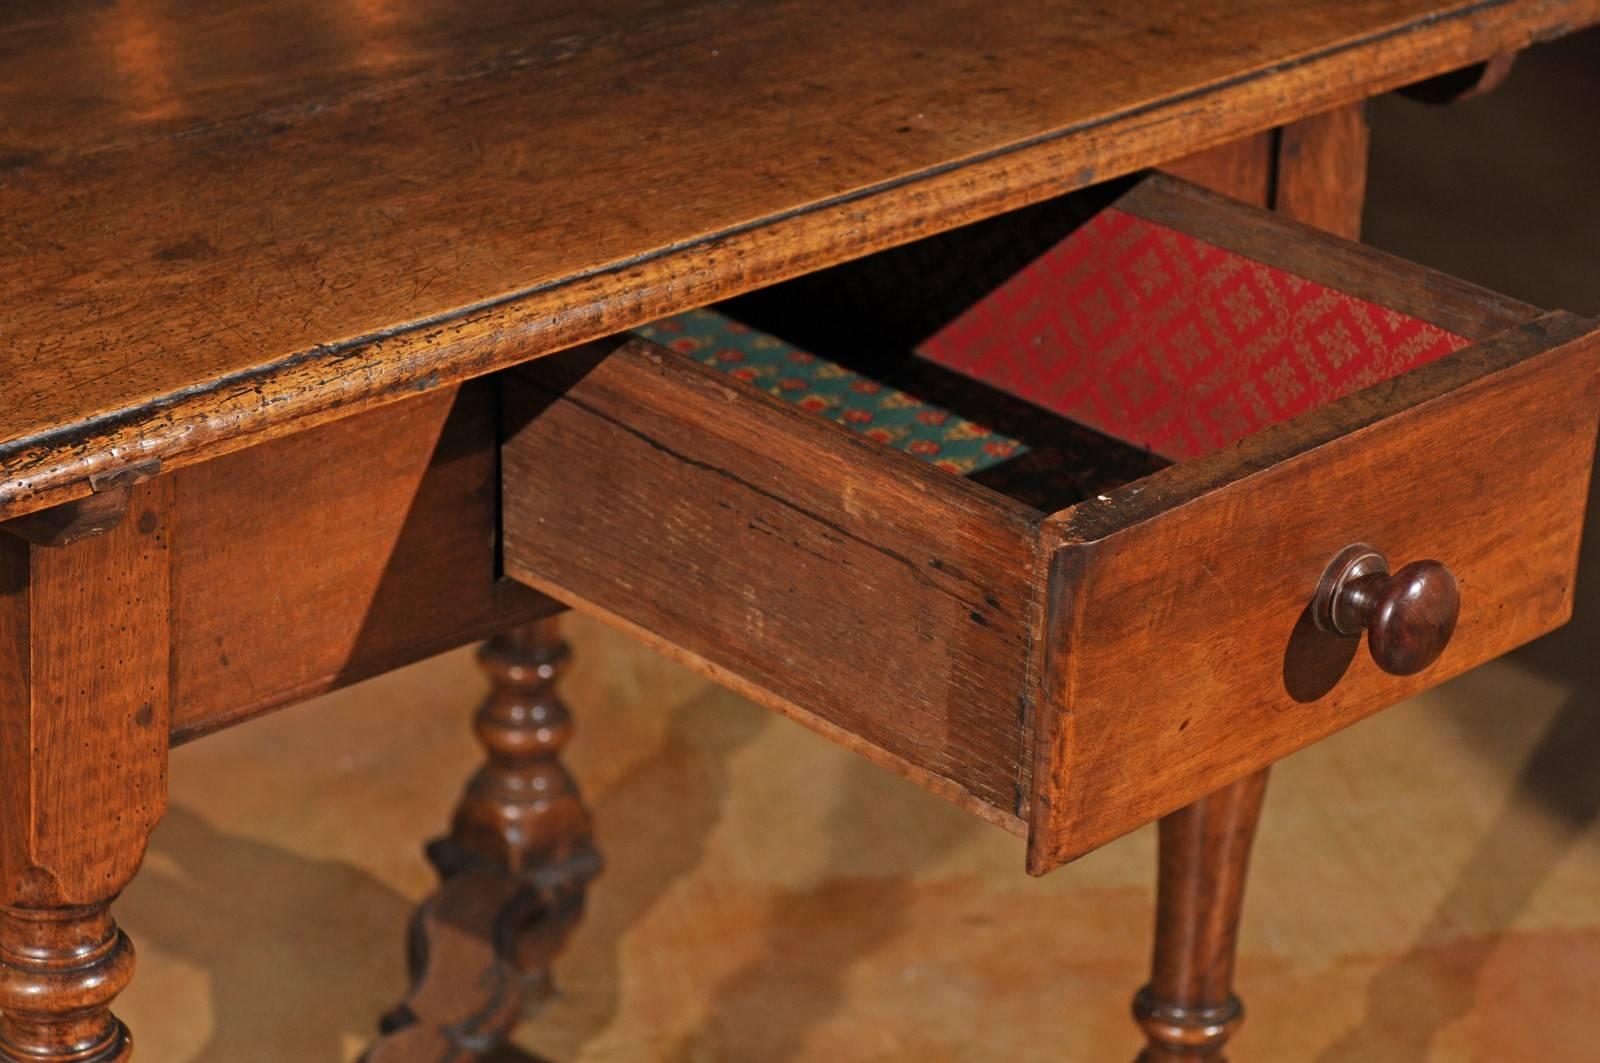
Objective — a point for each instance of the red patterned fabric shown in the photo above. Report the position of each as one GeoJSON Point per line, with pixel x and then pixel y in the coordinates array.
{"type": "Point", "coordinates": [1174, 344]}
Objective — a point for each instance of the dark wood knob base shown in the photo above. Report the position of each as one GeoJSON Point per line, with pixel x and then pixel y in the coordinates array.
{"type": "Point", "coordinates": [1408, 616]}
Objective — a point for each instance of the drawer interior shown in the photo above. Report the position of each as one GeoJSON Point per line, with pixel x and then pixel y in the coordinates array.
{"type": "Point", "coordinates": [1062, 351]}
{"type": "Point", "coordinates": [1175, 339]}
{"type": "Point", "coordinates": [950, 421]}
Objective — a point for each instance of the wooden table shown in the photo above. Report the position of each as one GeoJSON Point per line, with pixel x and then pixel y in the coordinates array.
{"type": "Point", "coordinates": [263, 261]}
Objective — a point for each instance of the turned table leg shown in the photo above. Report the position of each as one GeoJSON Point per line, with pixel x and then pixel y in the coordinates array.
{"type": "Point", "coordinates": [60, 968]}
{"type": "Point", "coordinates": [1188, 1011]}
{"type": "Point", "coordinates": [83, 765]}
{"type": "Point", "coordinates": [513, 870]}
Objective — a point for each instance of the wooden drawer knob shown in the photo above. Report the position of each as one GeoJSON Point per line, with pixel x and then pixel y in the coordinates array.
{"type": "Point", "coordinates": [1408, 615]}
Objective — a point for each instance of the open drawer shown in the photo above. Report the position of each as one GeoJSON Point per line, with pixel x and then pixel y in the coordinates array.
{"type": "Point", "coordinates": [1059, 629]}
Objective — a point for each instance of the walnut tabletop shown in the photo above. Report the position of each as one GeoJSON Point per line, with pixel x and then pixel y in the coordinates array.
{"type": "Point", "coordinates": [223, 222]}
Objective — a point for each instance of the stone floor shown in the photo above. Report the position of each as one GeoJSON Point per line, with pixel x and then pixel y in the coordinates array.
{"type": "Point", "coordinates": [1426, 884]}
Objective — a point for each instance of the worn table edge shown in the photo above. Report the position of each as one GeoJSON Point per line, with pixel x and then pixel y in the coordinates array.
{"type": "Point", "coordinates": [327, 382]}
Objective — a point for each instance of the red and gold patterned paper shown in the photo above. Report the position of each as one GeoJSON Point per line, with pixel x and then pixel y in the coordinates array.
{"type": "Point", "coordinates": [1174, 344]}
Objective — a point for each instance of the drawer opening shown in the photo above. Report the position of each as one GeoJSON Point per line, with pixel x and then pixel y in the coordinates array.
{"type": "Point", "coordinates": [1117, 309]}
{"type": "Point", "coordinates": [953, 422]}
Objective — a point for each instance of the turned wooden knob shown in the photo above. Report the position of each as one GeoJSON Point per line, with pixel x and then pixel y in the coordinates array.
{"type": "Point", "coordinates": [1408, 615]}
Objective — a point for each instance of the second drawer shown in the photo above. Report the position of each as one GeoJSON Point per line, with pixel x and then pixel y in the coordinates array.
{"type": "Point", "coordinates": [1075, 637]}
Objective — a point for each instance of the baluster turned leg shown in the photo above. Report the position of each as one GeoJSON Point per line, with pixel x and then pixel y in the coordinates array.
{"type": "Point", "coordinates": [1188, 1011]}
{"type": "Point", "coordinates": [513, 869]}
{"type": "Point", "coordinates": [60, 969]}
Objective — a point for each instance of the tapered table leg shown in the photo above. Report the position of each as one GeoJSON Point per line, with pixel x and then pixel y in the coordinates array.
{"type": "Point", "coordinates": [1188, 1011]}
{"type": "Point", "coordinates": [513, 870]}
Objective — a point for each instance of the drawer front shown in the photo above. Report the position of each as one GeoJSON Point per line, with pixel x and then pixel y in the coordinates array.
{"type": "Point", "coordinates": [885, 602]}
{"type": "Point", "coordinates": [1182, 652]}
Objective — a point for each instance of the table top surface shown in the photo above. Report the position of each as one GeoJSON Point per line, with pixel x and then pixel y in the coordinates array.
{"type": "Point", "coordinates": [220, 222]}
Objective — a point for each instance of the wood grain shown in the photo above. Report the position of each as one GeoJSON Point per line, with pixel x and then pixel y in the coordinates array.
{"type": "Point", "coordinates": [1241, 169]}
{"type": "Point", "coordinates": [1197, 579]}
{"type": "Point", "coordinates": [329, 556]}
{"type": "Point", "coordinates": [203, 251]}
{"type": "Point", "coordinates": [887, 598]}
{"type": "Point", "coordinates": [1322, 170]}
{"type": "Point", "coordinates": [84, 704]}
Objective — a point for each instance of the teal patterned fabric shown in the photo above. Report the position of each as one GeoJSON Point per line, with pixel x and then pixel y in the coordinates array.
{"type": "Point", "coordinates": [881, 413]}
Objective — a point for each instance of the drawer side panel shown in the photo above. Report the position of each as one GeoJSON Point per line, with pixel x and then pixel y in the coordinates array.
{"type": "Point", "coordinates": [883, 601]}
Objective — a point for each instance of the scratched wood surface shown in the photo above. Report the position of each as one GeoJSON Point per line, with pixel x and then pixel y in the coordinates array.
{"type": "Point", "coordinates": [236, 220]}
